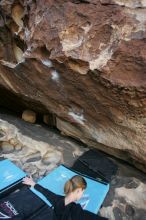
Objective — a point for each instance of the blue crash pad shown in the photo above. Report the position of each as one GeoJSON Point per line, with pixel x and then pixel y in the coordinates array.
{"type": "Point", "coordinates": [10, 175]}
{"type": "Point", "coordinates": [93, 196]}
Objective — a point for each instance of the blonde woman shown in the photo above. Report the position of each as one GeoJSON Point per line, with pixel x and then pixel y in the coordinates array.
{"type": "Point", "coordinates": [65, 207]}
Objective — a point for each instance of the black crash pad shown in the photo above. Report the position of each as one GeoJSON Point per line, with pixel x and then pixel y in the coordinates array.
{"type": "Point", "coordinates": [97, 165]}
{"type": "Point", "coordinates": [20, 205]}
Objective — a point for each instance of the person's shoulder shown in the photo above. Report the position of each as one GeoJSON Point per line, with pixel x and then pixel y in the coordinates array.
{"type": "Point", "coordinates": [76, 206]}
{"type": "Point", "coordinates": [76, 210]}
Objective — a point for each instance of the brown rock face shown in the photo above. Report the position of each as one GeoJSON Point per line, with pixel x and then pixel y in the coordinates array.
{"type": "Point", "coordinates": [83, 61]}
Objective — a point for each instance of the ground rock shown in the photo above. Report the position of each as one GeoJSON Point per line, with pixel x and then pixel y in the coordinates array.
{"type": "Point", "coordinates": [7, 147]}
{"type": "Point", "coordinates": [128, 202]}
{"type": "Point", "coordinates": [13, 141]}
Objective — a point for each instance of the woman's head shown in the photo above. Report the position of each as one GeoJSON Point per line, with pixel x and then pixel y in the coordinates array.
{"type": "Point", "coordinates": [77, 184]}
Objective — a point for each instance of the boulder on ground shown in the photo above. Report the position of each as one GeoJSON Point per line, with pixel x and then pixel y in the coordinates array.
{"type": "Point", "coordinates": [49, 119]}
{"type": "Point", "coordinates": [29, 116]}
{"type": "Point", "coordinates": [7, 147]}
{"type": "Point", "coordinates": [46, 119]}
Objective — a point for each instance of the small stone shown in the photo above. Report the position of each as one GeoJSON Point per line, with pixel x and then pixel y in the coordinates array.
{"type": "Point", "coordinates": [132, 184]}
{"type": "Point", "coordinates": [13, 141]}
{"type": "Point", "coordinates": [18, 147]}
{"type": "Point", "coordinates": [7, 148]}
{"type": "Point", "coordinates": [29, 116]}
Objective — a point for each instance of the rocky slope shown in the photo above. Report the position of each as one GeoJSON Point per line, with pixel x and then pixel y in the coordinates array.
{"type": "Point", "coordinates": [82, 61]}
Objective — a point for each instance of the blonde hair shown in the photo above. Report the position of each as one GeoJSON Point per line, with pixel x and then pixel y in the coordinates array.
{"type": "Point", "coordinates": [74, 183]}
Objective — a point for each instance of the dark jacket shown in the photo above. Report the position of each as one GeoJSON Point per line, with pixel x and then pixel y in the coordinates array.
{"type": "Point", "coordinates": [71, 211]}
